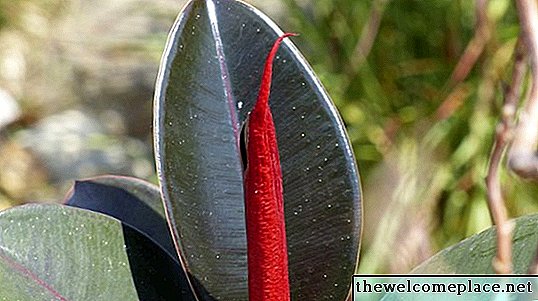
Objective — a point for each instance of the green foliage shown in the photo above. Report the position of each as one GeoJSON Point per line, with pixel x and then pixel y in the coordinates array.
{"type": "Point", "coordinates": [60, 246]}
{"type": "Point", "coordinates": [475, 254]}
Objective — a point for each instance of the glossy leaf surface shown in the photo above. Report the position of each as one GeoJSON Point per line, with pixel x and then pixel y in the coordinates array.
{"type": "Point", "coordinates": [207, 84]}
{"type": "Point", "coordinates": [54, 252]}
{"type": "Point", "coordinates": [474, 255]}
{"type": "Point", "coordinates": [135, 202]}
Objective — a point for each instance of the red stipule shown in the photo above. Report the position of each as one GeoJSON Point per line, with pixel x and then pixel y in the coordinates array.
{"type": "Point", "coordinates": [266, 233]}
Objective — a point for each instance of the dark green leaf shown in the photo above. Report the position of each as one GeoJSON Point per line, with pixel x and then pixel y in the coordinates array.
{"type": "Point", "coordinates": [474, 255]}
{"type": "Point", "coordinates": [54, 252]}
{"type": "Point", "coordinates": [207, 84]}
{"type": "Point", "coordinates": [132, 201]}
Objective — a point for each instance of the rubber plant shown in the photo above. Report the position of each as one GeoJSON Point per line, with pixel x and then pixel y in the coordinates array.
{"type": "Point", "coordinates": [258, 196]}
{"type": "Point", "coordinates": [215, 73]}
{"type": "Point", "coordinates": [283, 189]}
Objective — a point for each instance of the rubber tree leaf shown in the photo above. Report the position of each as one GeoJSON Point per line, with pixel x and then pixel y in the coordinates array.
{"type": "Point", "coordinates": [135, 202]}
{"type": "Point", "coordinates": [474, 255]}
{"type": "Point", "coordinates": [207, 84]}
{"type": "Point", "coordinates": [54, 252]}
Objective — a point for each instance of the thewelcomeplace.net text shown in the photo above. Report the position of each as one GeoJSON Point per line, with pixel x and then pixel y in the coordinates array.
{"type": "Point", "coordinates": [408, 286]}
{"type": "Point", "coordinates": [441, 287]}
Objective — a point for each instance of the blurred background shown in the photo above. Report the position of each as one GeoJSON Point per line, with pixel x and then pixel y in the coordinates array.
{"type": "Point", "coordinates": [418, 83]}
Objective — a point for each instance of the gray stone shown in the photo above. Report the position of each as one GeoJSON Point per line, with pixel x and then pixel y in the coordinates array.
{"type": "Point", "coordinates": [73, 144]}
{"type": "Point", "coordinates": [9, 109]}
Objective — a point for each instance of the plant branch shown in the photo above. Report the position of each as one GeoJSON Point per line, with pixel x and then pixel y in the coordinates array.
{"type": "Point", "coordinates": [502, 264]}
{"type": "Point", "coordinates": [467, 61]}
{"type": "Point", "coordinates": [368, 34]}
{"type": "Point", "coordinates": [522, 157]}
{"type": "Point", "coordinates": [475, 47]}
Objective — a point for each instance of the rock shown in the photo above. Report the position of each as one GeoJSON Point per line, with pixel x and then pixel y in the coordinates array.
{"type": "Point", "coordinates": [115, 64]}
{"type": "Point", "coordinates": [22, 177]}
{"type": "Point", "coordinates": [9, 109]}
{"type": "Point", "coordinates": [74, 145]}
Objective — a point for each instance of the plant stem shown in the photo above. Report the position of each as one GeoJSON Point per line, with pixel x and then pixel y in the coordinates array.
{"type": "Point", "coordinates": [475, 47]}
{"type": "Point", "coordinates": [502, 264]}
{"type": "Point", "coordinates": [522, 157]}
{"type": "Point", "coordinates": [368, 34]}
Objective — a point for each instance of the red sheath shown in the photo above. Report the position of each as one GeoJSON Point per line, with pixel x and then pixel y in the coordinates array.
{"type": "Point", "coordinates": [266, 232]}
